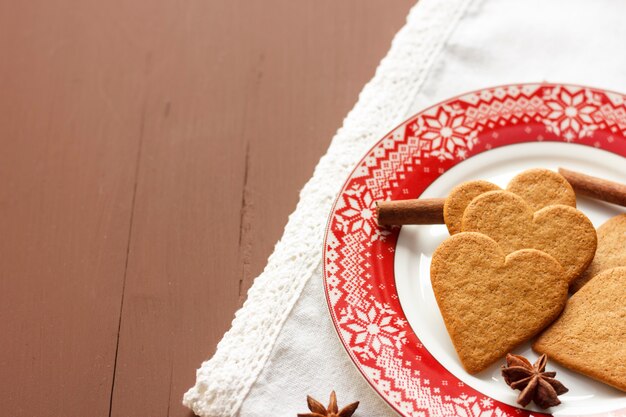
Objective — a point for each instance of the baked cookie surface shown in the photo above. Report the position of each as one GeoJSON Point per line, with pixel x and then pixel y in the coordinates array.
{"type": "Point", "coordinates": [590, 336]}
{"type": "Point", "coordinates": [611, 252]}
{"type": "Point", "coordinates": [559, 230]}
{"type": "Point", "coordinates": [492, 302]}
{"type": "Point", "coordinates": [538, 187]}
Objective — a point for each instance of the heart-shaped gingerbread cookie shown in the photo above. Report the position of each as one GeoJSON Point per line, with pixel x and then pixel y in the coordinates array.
{"type": "Point", "coordinates": [492, 302]}
{"type": "Point", "coordinates": [589, 336]}
{"type": "Point", "coordinates": [561, 231]}
{"type": "Point", "coordinates": [611, 251]}
{"type": "Point", "coordinates": [539, 187]}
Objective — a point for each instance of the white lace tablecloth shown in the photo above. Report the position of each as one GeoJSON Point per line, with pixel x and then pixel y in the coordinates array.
{"type": "Point", "coordinates": [282, 345]}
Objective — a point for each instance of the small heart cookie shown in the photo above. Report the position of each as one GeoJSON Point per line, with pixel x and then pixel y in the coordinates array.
{"type": "Point", "coordinates": [492, 302]}
{"type": "Point", "coordinates": [539, 187]}
{"type": "Point", "coordinates": [589, 337]}
{"type": "Point", "coordinates": [611, 251]}
{"type": "Point", "coordinates": [561, 231]}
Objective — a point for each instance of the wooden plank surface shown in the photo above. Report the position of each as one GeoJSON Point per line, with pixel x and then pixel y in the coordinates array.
{"type": "Point", "coordinates": [69, 129]}
{"type": "Point", "coordinates": [150, 154]}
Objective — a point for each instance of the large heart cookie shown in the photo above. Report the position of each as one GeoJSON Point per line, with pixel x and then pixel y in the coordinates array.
{"type": "Point", "coordinates": [492, 302]}
{"type": "Point", "coordinates": [611, 251]}
{"type": "Point", "coordinates": [539, 187]}
{"type": "Point", "coordinates": [561, 231]}
{"type": "Point", "coordinates": [590, 335]}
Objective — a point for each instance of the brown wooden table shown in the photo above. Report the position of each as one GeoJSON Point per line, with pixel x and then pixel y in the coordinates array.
{"type": "Point", "coordinates": [150, 154]}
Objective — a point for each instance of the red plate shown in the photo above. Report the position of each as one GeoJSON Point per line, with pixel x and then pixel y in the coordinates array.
{"type": "Point", "coordinates": [412, 375]}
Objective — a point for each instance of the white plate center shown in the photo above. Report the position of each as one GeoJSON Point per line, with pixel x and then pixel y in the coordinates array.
{"type": "Point", "coordinates": [417, 243]}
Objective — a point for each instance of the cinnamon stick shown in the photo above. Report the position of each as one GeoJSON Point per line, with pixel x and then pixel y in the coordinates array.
{"type": "Point", "coordinates": [601, 189]}
{"type": "Point", "coordinates": [430, 210]}
{"type": "Point", "coordinates": [421, 211]}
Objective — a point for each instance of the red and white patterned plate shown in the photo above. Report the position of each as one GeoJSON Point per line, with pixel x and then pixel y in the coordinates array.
{"type": "Point", "coordinates": [376, 280]}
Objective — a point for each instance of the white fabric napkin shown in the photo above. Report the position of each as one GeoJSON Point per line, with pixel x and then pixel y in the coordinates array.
{"type": "Point", "coordinates": [282, 344]}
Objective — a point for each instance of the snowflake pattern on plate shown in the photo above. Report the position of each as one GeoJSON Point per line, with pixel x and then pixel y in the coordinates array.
{"type": "Point", "coordinates": [358, 255]}
{"type": "Point", "coordinates": [571, 112]}
{"type": "Point", "coordinates": [358, 212]}
{"type": "Point", "coordinates": [372, 329]}
{"type": "Point", "coordinates": [445, 136]}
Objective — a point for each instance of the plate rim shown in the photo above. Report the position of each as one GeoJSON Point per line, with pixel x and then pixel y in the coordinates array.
{"type": "Point", "coordinates": [350, 176]}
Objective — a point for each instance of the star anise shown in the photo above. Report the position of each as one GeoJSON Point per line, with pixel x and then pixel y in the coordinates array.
{"type": "Point", "coordinates": [318, 409]}
{"type": "Point", "coordinates": [534, 383]}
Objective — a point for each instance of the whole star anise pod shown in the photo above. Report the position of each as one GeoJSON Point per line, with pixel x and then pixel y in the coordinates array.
{"type": "Point", "coordinates": [534, 383]}
{"type": "Point", "coordinates": [318, 409]}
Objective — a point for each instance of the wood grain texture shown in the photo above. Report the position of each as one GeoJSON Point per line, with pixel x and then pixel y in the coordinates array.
{"type": "Point", "coordinates": [149, 158]}
{"type": "Point", "coordinates": [69, 138]}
